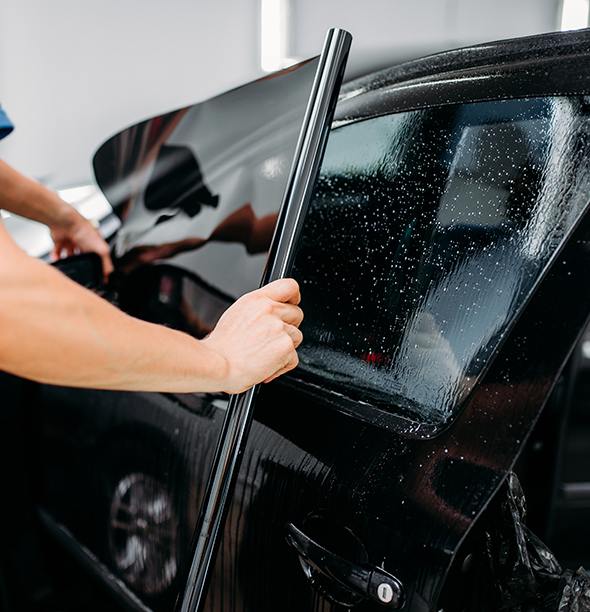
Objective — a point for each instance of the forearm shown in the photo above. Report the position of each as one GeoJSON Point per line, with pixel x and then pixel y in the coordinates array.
{"type": "Point", "coordinates": [245, 227]}
{"type": "Point", "coordinates": [55, 331]}
{"type": "Point", "coordinates": [52, 330]}
{"type": "Point", "coordinates": [25, 197]}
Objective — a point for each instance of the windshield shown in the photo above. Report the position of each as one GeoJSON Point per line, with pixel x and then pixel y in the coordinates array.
{"type": "Point", "coordinates": [427, 233]}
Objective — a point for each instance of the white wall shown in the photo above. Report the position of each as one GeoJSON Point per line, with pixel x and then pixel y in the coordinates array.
{"type": "Point", "coordinates": [386, 30]}
{"type": "Point", "coordinates": [72, 72]}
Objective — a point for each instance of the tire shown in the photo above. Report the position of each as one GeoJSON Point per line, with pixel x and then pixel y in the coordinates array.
{"type": "Point", "coordinates": [143, 535]}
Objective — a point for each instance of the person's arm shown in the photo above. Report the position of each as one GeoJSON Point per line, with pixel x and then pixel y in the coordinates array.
{"type": "Point", "coordinates": [70, 231]}
{"type": "Point", "coordinates": [54, 331]}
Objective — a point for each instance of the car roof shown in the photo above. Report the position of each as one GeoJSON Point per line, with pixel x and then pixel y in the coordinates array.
{"type": "Point", "coordinates": [545, 64]}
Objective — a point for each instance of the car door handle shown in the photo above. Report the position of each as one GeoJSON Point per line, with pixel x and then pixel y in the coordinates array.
{"type": "Point", "coordinates": [367, 581]}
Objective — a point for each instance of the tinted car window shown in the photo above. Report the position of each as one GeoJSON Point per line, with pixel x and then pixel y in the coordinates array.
{"type": "Point", "coordinates": [427, 232]}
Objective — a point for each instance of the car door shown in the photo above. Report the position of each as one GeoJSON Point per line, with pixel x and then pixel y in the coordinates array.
{"type": "Point", "coordinates": [442, 267]}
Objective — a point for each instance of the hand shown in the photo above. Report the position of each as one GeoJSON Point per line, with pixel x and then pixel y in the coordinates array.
{"type": "Point", "coordinates": [257, 336]}
{"type": "Point", "coordinates": [80, 236]}
{"type": "Point", "coordinates": [70, 231]}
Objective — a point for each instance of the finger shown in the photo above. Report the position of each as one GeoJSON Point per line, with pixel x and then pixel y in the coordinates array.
{"type": "Point", "coordinates": [58, 250]}
{"type": "Point", "coordinates": [64, 250]}
{"type": "Point", "coordinates": [107, 265]}
{"type": "Point", "coordinates": [294, 334]}
{"type": "Point", "coordinates": [284, 290]}
{"type": "Point", "coordinates": [290, 314]}
{"type": "Point", "coordinates": [287, 368]}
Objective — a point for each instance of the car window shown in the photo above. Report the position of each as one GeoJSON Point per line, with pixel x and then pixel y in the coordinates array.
{"type": "Point", "coordinates": [427, 232]}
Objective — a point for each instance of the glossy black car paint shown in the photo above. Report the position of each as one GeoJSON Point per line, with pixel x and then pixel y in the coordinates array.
{"type": "Point", "coordinates": [365, 483]}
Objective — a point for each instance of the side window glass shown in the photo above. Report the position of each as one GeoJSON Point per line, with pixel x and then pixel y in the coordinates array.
{"type": "Point", "coordinates": [427, 232]}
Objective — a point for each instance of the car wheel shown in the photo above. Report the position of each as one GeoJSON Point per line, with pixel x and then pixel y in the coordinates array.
{"type": "Point", "coordinates": [142, 533]}
{"type": "Point", "coordinates": [144, 536]}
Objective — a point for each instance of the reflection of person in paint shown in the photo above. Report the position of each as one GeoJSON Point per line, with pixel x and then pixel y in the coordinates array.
{"type": "Point", "coordinates": [177, 189]}
{"type": "Point", "coordinates": [242, 226]}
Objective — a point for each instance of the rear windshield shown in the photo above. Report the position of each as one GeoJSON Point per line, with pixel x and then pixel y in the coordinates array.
{"type": "Point", "coordinates": [427, 232]}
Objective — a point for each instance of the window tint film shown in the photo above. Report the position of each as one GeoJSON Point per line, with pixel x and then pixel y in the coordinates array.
{"type": "Point", "coordinates": [427, 232]}
{"type": "Point", "coordinates": [201, 187]}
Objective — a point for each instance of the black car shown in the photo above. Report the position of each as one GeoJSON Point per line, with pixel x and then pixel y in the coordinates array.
{"type": "Point", "coordinates": [444, 271]}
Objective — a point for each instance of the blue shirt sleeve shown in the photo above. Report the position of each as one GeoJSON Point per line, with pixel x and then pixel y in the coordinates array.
{"type": "Point", "coordinates": [5, 124]}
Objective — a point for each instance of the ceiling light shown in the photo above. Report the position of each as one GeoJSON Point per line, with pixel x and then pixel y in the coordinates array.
{"type": "Point", "coordinates": [274, 35]}
{"type": "Point", "coordinates": [574, 14]}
